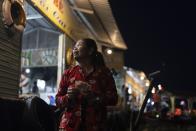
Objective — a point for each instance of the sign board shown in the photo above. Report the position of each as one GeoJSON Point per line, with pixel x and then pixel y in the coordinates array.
{"type": "Point", "coordinates": [56, 11]}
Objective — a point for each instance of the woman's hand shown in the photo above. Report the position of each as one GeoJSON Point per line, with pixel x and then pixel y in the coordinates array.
{"type": "Point", "coordinates": [84, 87]}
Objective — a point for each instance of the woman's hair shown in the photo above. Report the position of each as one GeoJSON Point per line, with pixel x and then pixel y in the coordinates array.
{"type": "Point", "coordinates": [97, 57]}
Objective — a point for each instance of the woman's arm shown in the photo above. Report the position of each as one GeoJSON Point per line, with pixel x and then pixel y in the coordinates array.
{"type": "Point", "coordinates": [61, 96]}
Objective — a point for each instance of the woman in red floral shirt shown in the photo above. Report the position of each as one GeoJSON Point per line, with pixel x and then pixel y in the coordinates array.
{"type": "Point", "coordinates": [85, 90]}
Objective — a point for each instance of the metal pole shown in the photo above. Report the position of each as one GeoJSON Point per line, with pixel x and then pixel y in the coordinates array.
{"type": "Point", "coordinates": [137, 122]}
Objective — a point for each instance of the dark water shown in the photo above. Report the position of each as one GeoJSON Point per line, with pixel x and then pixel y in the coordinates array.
{"type": "Point", "coordinates": [167, 125]}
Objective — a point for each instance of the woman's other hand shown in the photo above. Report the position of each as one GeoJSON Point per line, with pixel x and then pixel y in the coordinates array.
{"type": "Point", "coordinates": [72, 93]}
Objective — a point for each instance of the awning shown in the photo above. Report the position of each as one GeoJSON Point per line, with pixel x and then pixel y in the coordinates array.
{"type": "Point", "coordinates": [98, 18]}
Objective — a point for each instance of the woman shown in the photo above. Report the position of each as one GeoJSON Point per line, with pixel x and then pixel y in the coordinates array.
{"type": "Point", "coordinates": [85, 90]}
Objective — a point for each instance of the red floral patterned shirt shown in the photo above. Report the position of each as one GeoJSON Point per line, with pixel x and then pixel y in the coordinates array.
{"type": "Point", "coordinates": [103, 94]}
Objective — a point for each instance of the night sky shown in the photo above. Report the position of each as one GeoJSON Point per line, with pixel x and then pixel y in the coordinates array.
{"type": "Point", "coordinates": [160, 35]}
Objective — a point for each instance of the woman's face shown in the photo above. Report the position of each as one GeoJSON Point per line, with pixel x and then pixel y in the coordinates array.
{"type": "Point", "coordinates": [80, 50]}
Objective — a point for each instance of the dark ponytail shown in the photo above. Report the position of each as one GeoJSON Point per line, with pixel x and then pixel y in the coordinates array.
{"type": "Point", "coordinates": [96, 57]}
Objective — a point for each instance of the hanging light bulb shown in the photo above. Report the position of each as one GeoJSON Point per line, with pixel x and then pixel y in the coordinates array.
{"type": "Point", "coordinates": [109, 51]}
{"type": "Point", "coordinates": [147, 83]}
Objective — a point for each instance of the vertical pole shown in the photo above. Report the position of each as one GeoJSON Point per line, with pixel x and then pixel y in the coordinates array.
{"type": "Point", "coordinates": [37, 40]}
{"type": "Point", "coordinates": [61, 58]}
{"type": "Point", "coordinates": [172, 99]}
